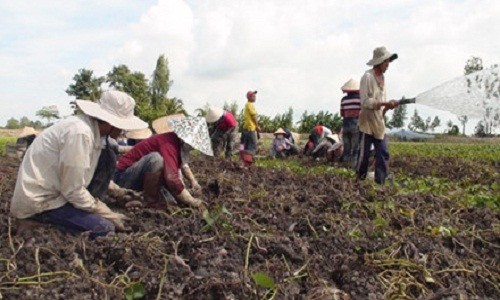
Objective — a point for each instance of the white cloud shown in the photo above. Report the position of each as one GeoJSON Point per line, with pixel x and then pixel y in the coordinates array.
{"type": "Point", "coordinates": [296, 53]}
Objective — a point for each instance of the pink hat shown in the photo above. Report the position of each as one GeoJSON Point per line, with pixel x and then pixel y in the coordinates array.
{"type": "Point", "coordinates": [250, 94]}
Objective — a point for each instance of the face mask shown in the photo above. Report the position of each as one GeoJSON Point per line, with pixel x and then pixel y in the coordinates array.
{"type": "Point", "coordinates": [280, 137]}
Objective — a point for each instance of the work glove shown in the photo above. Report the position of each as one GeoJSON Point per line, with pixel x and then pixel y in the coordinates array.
{"type": "Point", "coordinates": [117, 191]}
{"type": "Point", "coordinates": [196, 188]}
{"type": "Point", "coordinates": [186, 198]}
{"type": "Point", "coordinates": [104, 211]}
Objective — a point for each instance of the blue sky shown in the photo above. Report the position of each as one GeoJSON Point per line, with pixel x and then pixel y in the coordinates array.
{"type": "Point", "coordinates": [296, 53]}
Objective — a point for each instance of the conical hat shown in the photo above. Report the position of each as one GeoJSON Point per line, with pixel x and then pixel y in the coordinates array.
{"type": "Point", "coordinates": [160, 125]}
{"type": "Point", "coordinates": [140, 134]}
{"type": "Point", "coordinates": [27, 131]}
{"type": "Point", "coordinates": [214, 114]}
{"type": "Point", "coordinates": [279, 131]}
{"type": "Point", "coordinates": [350, 86]}
{"type": "Point", "coordinates": [193, 131]}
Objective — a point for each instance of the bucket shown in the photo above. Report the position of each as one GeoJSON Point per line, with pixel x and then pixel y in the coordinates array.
{"type": "Point", "coordinates": [246, 158]}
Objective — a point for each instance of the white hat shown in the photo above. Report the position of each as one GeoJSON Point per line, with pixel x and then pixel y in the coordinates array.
{"type": "Point", "coordinates": [332, 136]}
{"type": "Point", "coordinates": [380, 54]}
{"type": "Point", "coordinates": [114, 107]}
{"type": "Point", "coordinates": [27, 131]}
{"type": "Point", "coordinates": [161, 125]}
{"type": "Point", "coordinates": [214, 114]}
{"type": "Point", "coordinates": [350, 86]}
{"type": "Point", "coordinates": [193, 131]}
{"type": "Point", "coordinates": [139, 134]}
{"type": "Point", "coordinates": [279, 131]}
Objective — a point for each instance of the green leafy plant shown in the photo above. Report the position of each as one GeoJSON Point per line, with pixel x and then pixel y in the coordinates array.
{"type": "Point", "coordinates": [135, 291]}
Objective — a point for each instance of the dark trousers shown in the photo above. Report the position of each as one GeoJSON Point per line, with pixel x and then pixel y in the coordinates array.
{"type": "Point", "coordinates": [350, 137]}
{"type": "Point", "coordinates": [381, 157]}
{"type": "Point", "coordinates": [73, 220]}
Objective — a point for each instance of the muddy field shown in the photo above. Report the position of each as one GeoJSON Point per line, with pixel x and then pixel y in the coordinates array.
{"type": "Point", "coordinates": [269, 233]}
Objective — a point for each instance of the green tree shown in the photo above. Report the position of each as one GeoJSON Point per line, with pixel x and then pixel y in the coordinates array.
{"type": "Point", "coordinates": [12, 123]}
{"type": "Point", "coordinates": [233, 108]}
{"type": "Point", "coordinates": [435, 123]}
{"type": "Point", "coordinates": [86, 86]}
{"type": "Point", "coordinates": [135, 84]}
{"type": "Point", "coordinates": [49, 113]}
{"type": "Point", "coordinates": [173, 106]}
{"type": "Point", "coordinates": [160, 83]}
{"type": "Point", "coordinates": [463, 120]}
{"type": "Point", "coordinates": [416, 122]}
{"type": "Point", "coordinates": [398, 117]}
{"type": "Point", "coordinates": [473, 64]}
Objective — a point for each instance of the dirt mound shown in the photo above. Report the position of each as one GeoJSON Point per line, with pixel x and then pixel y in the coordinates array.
{"type": "Point", "coordinates": [268, 232]}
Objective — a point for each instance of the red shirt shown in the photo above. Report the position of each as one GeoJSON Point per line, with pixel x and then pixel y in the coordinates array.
{"type": "Point", "coordinates": [169, 146]}
{"type": "Point", "coordinates": [227, 121]}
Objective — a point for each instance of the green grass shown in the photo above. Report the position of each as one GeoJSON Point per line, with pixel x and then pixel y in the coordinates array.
{"type": "Point", "coordinates": [4, 141]}
{"type": "Point", "coordinates": [489, 152]}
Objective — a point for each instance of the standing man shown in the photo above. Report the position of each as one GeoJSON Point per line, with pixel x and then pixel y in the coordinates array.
{"type": "Point", "coordinates": [350, 106]}
{"type": "Point", "coordinates": [371, 118]}
{"type": "Point", "coordinates": [251, 125]}
{"type": "Point", "coordinates": [66, 169]}
{"type": "Point", "coordinates": [224, 131]}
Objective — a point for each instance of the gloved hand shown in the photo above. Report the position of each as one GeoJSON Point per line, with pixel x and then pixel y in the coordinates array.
{"type": "Point", "coordinates": [104, 211]}
{"type": "Point", "coordinates": [186, 197]}
{"type": "Point", "coordinates": [197, 190]}
{"type": "Point", "coordinates": [117, 191]}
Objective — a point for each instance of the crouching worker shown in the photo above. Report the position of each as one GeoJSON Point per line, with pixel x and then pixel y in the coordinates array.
{"type": "Point", "coordinates": [281, 146]}
{"type": "Point", "coordinates": [317, 134]}
{"type": "Point", "coordinates": [224, 131]}
{"type": "Point", "coordinates": [331, 147]}
{"type": "Point", "coordinates": [159, 161]}
{"type": "Point", "coordinates": [66, 169]}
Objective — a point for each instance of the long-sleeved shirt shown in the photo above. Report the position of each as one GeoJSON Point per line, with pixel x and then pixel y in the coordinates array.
{"type": "Point", "coordinates": [279, 145]}
{"type": "Point", "coordinates": [168, 145]}
{"type": "Point", "coordinates": [226, 122]}
{"type": "Point", "coordinates": [58, 167]}
{"type": "Point", "coordinates": [350, 105]}
{"type": "Point", "coordinates": [371, 117]}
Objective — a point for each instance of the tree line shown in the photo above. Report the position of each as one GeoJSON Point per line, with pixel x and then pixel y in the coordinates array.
{"type": "Point", "coordinates": [152, 102]}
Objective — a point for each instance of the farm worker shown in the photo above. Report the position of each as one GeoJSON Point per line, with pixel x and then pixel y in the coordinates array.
{"type": "Point", "coordinates": [331, 147]}
{"type": "Point", "coordinates": [289, 135]}
{"type": "Point", "coordinates": [250, 129]}
{"type": "Point", "coordinates": [317, 133]}
{"type": "Point", "coordinates": [350, 107]}
{"type": "Point", "coordinates": [161, 160]}
{"type": "Point", "coordinates": [282, 147]}
{"type": "Point", "coordinates": [25, 139]}
{"type": "Point", "coordinates": [63, 172]}
{"type": "Point", "coordinates": [371, 118]}
{"type": "Point", "coordinates": [224, 130]}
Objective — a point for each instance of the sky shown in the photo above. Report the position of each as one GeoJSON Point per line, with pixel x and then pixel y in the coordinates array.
{"type": "Point", "coordinates": [295, 53]}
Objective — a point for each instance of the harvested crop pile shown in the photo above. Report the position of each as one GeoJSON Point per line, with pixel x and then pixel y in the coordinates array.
{"type": "Point", "coordinates": [269, 232]}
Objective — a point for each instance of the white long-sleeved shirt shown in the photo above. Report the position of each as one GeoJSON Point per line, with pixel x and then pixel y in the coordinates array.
{"type": "Point", "coordinates": [58, 167]}
{"type": "Point", "coordinates": [371, 117]}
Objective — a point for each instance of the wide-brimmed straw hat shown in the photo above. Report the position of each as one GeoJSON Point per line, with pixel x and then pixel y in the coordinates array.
{"type": "Point", "coordinates": [279, 131]}
{"type": "Point", "coordinates": [115, 108]}
{"type": "Point", "coordinates": [214, 114]}
{"type": "Point", "coordinates": [161, 125]}
{"type": "Point", "coordinates": [27, 131]}
{"type": "Point", "coordinates": [351, 86]}
{"type": "Point", "coordinates": [193, 131]}
{"type": "Point", "coordinates": [380, 54]}
{"type": "Point", "coordinates": [139, 134]}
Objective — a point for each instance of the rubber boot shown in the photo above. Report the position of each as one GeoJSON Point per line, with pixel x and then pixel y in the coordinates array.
{"type": "Point", "coordinates": [151, 185]}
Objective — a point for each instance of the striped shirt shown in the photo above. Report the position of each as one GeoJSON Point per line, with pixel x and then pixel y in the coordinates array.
{"type": "Point", "coordinates": [350, 105]}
